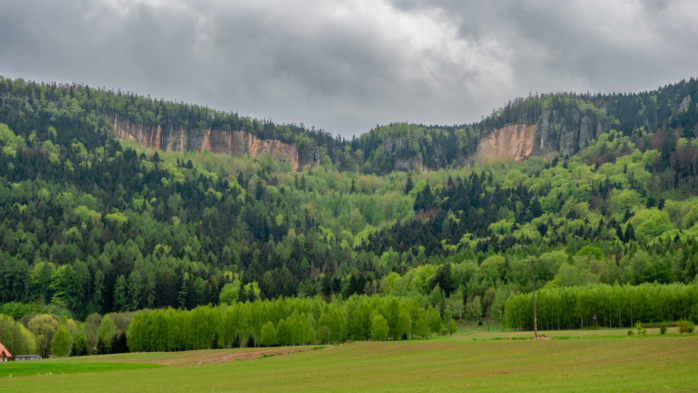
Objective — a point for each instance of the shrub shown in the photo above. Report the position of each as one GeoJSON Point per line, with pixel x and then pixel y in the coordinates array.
{"type": "Point", "coordinates": [640, 330]}
{"type": "Point", "coordinates": [662, 328]}
{"type": "Point", "coordinates": [452, 327]}
{"type": "Point", "coordinates": [686, 326]}
{"type": "Point", "coordinates": [630, 332]}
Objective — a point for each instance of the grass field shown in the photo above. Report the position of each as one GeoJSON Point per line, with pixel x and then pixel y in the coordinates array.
{"type": "Point", "coordinates": [599, 360]}
{"type": "Point", "coordinates": [41, 368]}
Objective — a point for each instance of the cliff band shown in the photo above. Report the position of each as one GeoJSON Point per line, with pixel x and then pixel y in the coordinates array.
{"type": "Point", "coordinates": [514, 142]}
{"type": "Point", "coordinates": [234, 143]}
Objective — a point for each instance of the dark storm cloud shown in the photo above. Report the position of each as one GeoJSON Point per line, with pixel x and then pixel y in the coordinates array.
{"type": "Point", "coordinates": [600, 45]}
{"type": "Point", "coordinates": [348, 65]}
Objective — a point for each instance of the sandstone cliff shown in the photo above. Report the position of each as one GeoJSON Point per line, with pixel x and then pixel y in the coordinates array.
{"type": "Point", "coordinates": [234, 143]}
{"type": "Point", "coordinates": [513, 142]}
{"type": "Point", "coordinates": [554, 133]}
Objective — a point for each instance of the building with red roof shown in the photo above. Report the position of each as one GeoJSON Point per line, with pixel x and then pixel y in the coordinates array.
{"type": "Point", "coordinates": [5, 355]}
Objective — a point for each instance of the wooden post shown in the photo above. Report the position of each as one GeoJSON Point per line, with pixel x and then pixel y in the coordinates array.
{"type": "Point", "coordinates": [533, 281]}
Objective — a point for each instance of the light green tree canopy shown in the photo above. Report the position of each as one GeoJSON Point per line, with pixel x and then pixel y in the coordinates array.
{"type": "Point", "coordinates": [60, 345]}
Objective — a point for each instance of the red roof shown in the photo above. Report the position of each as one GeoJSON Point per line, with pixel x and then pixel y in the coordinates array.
{"type": "Point", "coordinates": [4, 353]}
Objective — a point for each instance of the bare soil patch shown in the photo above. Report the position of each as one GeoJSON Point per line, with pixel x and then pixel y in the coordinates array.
{"type": "Point", "coordinates": [187, 358]}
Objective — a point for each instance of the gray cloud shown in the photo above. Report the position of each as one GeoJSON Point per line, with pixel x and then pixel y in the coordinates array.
{"type": "Point", "coordinates": [347, 65]}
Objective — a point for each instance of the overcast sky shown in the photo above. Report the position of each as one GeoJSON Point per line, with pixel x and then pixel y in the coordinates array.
{"type": "Point", "coordinates": [346, 66]}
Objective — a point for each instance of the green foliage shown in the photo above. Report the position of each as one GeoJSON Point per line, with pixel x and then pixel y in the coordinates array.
{"type": "Point", "coordinates": [95, 225]}
{"type": "Point", "coordinates": [230, 292]}
{"type": "Point", "coordinates": [7, 137]}
{"type": "Point", "coordinates": [268, 335]}
{"type": "Point", "coordinates": [43, 327]}
{"type": "Point", "coordinates": [640, 329]}
{"type": "Point", "coordinates": [662, 327]}
{"type": "Point", "coordinates": [404, 324]}
{"type": "Point", "coordinates": [690, 218]}
{"type": "Point", "coordinates": [15, 337]}
{"type": "Point", "coordinates": [452, 327]}
{"type": "Point", "coordinates": [283, 321]}
{"type": "Point", "coordinates": [379, 328]}
{"type": "Point", "coordinates": [61, 343]}
{"type": "Point", "coordinates": [686, 326]}
{"type": "Point", "coordinates": [9, 141]}
{"type": "Point", "coordinates": [614, 306]}
{"type": "Point", "coordinates": [106, 333]}
{"type": "Point", "coordinates": [117, 218]}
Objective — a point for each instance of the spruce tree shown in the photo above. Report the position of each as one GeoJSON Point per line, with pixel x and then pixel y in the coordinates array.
{"type": "Point", "coordinates": [409, 185]}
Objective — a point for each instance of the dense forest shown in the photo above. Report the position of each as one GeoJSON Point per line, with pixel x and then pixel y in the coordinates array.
{"type": "Point", "coordinates": [91, 225]}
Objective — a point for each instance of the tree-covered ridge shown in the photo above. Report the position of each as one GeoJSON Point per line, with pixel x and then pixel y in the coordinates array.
{"type": "Point", "coordinates": [401, 145]}
{"type": "Point", "coordinates": [397, 146]}
{"type": "Point", "coordinates": [406, 146]}
{"type": "Point", "coordinates": [673, 105]}
{"type": "Point", "coordinates": [90, 224]}
{"type": "Point", "coordinates": [22, 102]}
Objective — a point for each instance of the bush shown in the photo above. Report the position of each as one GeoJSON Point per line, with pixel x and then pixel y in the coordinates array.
{"type": "Point", "coordinates": [686, 326]}
{"type": "Point", "coordinates": [630, 332]}
{"type": "Point", "coordinates": [662, 328]}
{"type": "Point", "coordinates": [640, 330]}
{"type": "Point", "coordinates": [452, 327]}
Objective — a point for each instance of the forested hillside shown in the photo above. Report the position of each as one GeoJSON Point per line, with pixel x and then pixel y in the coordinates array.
{"type": "Point", "coordinates": [91, 224]}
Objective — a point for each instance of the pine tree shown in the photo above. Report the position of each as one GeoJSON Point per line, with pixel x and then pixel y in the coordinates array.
{"type": "Point", "coordinates": [629, 233]}
{"type": "Point", "coordinates": [121, 302]}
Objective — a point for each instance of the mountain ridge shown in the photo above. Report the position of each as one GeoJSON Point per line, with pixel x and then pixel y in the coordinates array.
{"type": "Point", "coordinates": [92, 224]}
{"type": "Point", "coordinates": [566, 122]}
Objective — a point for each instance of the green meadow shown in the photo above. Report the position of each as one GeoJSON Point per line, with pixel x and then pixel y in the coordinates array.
{"type": "Point", "coordinates": [579, 361]}
{"type": "Point", "coordinates": [51, 367]}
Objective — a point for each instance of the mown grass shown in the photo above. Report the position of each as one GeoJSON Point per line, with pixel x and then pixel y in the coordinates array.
{"type": "Point", "coordinates": [458, 363]}
{"type": "Point", "coordinates": [45, 368]}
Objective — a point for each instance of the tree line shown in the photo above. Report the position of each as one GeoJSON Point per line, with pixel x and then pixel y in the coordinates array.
{"type": "Point", "coordinates": [603, 305]}
{"type": "Point", "coordinates": [284, 321]}
{"type": "Point", "coordinates": [46, 334]}
{"type": "Point", "coordinates": [278, 322]}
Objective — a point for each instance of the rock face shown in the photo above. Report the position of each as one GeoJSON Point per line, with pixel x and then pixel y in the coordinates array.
{"type": "Point", "coordinates": [513, 142]}
{"type": "Point", "coordinates": [685, 104]}
{"type": "Point", "coordinates": [234, 143]}
{"type": "Point", "coordinates": [309, 156]}
{"type": "Point", "coordinates": [566, 135]}
{"type": "Point", "coordinates": [554, 133]}
{"type": "Point", "coordinates": [406, 159]}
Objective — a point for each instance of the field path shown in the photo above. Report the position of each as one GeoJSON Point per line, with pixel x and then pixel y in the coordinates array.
{"type": "Point", "coordinates": [226, 355]}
